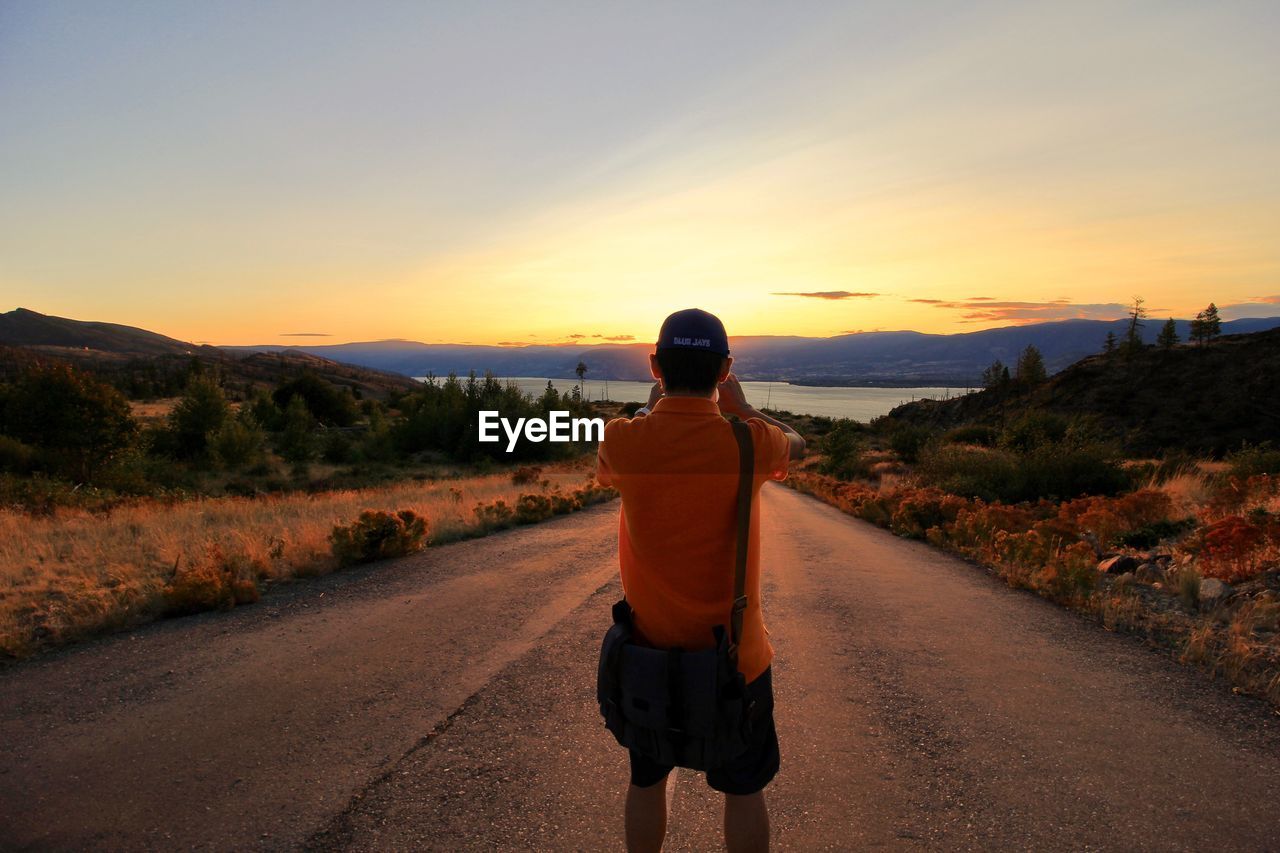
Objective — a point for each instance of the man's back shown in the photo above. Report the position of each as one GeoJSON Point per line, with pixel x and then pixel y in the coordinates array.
{"type": "Point", "coordinates": [677, 472]}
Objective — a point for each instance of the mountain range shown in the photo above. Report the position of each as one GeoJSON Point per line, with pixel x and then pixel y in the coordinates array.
{"type": "Point", "coordinates": [146, 364]}
{"type": "Point", "coordinates": [901, 358]}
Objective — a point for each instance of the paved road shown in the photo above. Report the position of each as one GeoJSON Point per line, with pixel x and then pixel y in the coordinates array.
{"type": "Point", "coordinates": [446, 702]}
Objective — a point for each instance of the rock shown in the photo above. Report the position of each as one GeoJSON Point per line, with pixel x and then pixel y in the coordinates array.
{"type": "Point", "coordinates": [1124, 579]}
{"type": "Point", "coordinates": [1118, 565]}
{"type": "Point", "coordinates": [1149, 573]}
{"type": "Point", "coordinates": [1213, 592]}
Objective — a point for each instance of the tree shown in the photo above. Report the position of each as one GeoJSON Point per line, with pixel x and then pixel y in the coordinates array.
{"type": "Point", "coordinates": [79, 422]}
{"type": "Point", "coordinates": [1207, 325]}
{"type": "Point", "coordinates": [330, 405]}
{"type": "Point", "coordinates": [1109, 345]}
{"type": "Point", "coordinates": [1212, 322]}
{"type": "Point", "coordinates": [581, 370]}
{"type": "Point", "coordinates": [995, 375]}
{"type": "Point", "coordinates": [1133, 334]}
{"type": "Point", "coordinates": [1168, 337]}
{"type": "Point", "coordinates": [1030, 369]}
{"type": "Point", "coordinates": [238, 442]}
{"type": "Point", "coordinates": [201, 412]}
{"type": "Point", "coordinates": [297, 442]}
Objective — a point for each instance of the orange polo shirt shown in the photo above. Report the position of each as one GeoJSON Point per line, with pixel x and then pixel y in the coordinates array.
{"type": "Point", "coordinates": [677, 472]}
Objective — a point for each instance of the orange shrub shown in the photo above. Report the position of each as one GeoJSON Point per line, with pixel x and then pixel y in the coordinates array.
{"type": "Point", "coordinates": [921, 510]}
{"type": "Point", "coordinates": [209, 583]}
{"type": "Point", "coordinates": [525, 475]}
{"type": "Point", "coordinates": [377, 535]}
{"type": "Point", "coordinates": [1235, 548]}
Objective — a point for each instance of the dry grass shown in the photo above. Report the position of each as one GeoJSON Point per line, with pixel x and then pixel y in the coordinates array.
{"type": "Point", "coordinates": [152, 410]}
{"type": "Point", "coordinates": [1215, 527]}
{"type": "Point", "coordinates": [74, 573]}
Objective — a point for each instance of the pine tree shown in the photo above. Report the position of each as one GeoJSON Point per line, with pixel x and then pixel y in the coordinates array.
{"type": "Point", "coordinates": [1109, 345]}
{"type": "Point", "coordinates": [995, 375]}
{"type": "Point", "coordinates": [1212, 322]}
{"type": "Point", "coordinates": [296, 442]}
{"type": "Point", "coordinates": [1133, 334]}
{"type": "Point", "coordinates": [581, 370]}
{"type": "Point", "coordinates": [1030, 370]}
{"type": "Point", "coordinates": [1168, 337]}
{"type": "Point", "coordinates": [1207, 325]}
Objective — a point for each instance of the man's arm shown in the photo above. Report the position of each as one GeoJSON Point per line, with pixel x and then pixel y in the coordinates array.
{"type": "Point", "coordinates": [655, 394]}
{"type": "Point", "coordinates": [733, 401]}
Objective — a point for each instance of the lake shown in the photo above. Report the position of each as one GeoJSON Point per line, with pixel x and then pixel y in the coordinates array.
{"type": "Point", "coordinates": [861, 404]}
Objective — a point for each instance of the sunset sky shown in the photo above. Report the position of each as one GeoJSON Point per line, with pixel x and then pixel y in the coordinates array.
{"type": "Point", "coordinates": [522, 172]}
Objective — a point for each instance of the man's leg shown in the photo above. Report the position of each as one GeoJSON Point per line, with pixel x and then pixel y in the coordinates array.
{"type": "Point", "coordinates": [746, 823]}
{"type": "Point", "coordinates": [646, 817]}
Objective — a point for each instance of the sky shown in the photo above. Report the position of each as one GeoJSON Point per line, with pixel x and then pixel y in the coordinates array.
{"type": "Point", "coordinates": [542, 172]}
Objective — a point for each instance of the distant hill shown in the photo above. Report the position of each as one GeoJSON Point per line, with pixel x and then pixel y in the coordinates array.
{"type": "Point", "coordinates": [146, 364]}
{"type": "Point", "coordinates": [1201, 399]}
{"type": "Point", "coordinates": [24, 328]}
{"type": "Point", "coordinates": [869, 358]}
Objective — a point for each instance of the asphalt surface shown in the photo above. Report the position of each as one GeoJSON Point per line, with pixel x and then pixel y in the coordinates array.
{"type": "Point", "coordinates": [446, 701]}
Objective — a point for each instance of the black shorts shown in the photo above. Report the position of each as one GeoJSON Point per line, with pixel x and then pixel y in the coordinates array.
{"type": "Point", "coordinates": [746, 774]}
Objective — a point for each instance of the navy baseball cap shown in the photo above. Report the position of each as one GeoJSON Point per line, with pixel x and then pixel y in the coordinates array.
{"type": "Point", "coordinates": [694, 328]}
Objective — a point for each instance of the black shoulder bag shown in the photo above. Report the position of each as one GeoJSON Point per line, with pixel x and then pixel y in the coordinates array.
{"type": "Point", "coordinates": [678, 708]}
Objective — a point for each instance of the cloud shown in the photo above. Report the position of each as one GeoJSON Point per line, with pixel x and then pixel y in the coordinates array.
{"type": "Point", "coordinates": [305, 335]}
{"type": "Point", "coordinates": [861, 331]}
{"type": "Point", "coordinates": [1257, 306]}
{"type": "Point", "coordinates": [985, 309]}
{"type": "Point", "coordinates": [514, 344]}
{"type": "Point", "coordinates": [827, 294]}
{"type": "Point", "coordinates": [619, 337]}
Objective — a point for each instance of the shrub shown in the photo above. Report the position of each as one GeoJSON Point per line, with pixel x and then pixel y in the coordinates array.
{"type": "Point", "coordinates": [338, 448]}
{"type": "Point", "coordinates": [525, 475]}
{"type": "Point", "coordinates": [495, 515]}
{"type": "Point", "coordinates": [1068, 472]}
{"type": "Point", "coordinates": [533, 508]}
{"type": "Point", "coordinates": [15, 456]}
{"type": "Point", "coordinates": [212, 583]}
{"type": "Point", "coordinates": [1252, 460]}
{"type": "Point", "coordinates": [1032, 430]}
{"type": "Point", "coordinates": [1233, 548]}
{"type": "Point", "coordinates": [983, 436]}
{"type": "Point", "coordinates": [1151, 535]}
{"type": "Point", "coordinates": [923, 509]}
{"type": "Point", "coordinates": [842, 448]}
{"type": "Point", "coordinates": [972, 472]}
{"type": "Point", "coordinates": [377, 535]}
{"type": "Point", "coordinates": [907, 440]}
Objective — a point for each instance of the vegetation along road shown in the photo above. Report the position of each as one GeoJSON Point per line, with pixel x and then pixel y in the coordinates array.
{"type": "Point", "coordinates": [447, 701]}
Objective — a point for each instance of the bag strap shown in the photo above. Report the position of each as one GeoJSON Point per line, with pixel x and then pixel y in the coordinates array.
{"type": "Point", "coordinates": [746, 474]}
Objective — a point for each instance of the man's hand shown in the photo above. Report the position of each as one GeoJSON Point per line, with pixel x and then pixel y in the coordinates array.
{"type": "Point", "coordinates": [655, 394]}
{"type": "Point", "coordinates": [731, 398]}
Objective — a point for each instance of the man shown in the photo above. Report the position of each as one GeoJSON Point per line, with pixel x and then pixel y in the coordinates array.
{"type": "Point", "coordinates": [676, 466]}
